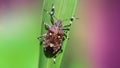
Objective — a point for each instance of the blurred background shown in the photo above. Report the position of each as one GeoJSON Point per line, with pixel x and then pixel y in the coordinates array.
{"type": "Point", "coordinates": [94, 38]}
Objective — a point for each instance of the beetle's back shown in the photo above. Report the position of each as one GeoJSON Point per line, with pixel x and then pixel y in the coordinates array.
{"type": "Point", "coordinates": [53, 40]}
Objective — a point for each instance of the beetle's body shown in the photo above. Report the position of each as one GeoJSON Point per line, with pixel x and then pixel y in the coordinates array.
{"type": "Point", "coordinates": [54, 38]}
{"type": "Point", "coordinates": [55, 35]}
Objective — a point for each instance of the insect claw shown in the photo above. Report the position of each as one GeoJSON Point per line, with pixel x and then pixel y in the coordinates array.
{"type": "Point", "coordinates": [61, 50]}
{"type": "Point", "coordinates": [37, 37]}
{"type": "Point", "coordinates": [68, 38]}
{"type": "Point", "coordinates": [41, 43]}
{"type": "Point", "coordinates": [46, 26]}
{"type": "Point", "coordinates": [54, 60]}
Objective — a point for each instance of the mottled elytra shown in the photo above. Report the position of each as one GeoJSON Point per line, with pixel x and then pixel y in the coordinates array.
{"type": "Point", "coordinates": [55, 35]}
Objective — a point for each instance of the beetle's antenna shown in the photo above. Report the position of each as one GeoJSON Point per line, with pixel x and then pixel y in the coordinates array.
{"type": "Point", "coordinates": [53, 11]}
{"type": "Point", "coordinates": [71, 19]}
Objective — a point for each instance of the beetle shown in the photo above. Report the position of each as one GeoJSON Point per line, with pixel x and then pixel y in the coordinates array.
{"type": "Point", "coordinates": [55, 35]}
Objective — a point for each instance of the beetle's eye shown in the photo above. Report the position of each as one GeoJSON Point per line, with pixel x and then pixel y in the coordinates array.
{"type": "Point", "coordinates": [59, 37]}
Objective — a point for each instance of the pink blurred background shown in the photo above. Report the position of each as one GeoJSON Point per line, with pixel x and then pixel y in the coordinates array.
{"type": "Point", "coordinates": [102, 19]}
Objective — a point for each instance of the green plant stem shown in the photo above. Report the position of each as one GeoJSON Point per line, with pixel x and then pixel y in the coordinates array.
{"type": "Point", "coordinates": [64, 9]}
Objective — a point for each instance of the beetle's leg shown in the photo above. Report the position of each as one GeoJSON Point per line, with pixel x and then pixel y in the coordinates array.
{"type": "Point", "coordinates": [66, 37]}
{"type": "Point", "coordinates": [41, 42]}
{"type": "Point", "coordinates": [46, 26]}
{"type": "Point", "coordinates": [68, 25]}
{"type": "Point", "coordinates": [54, 58]}
{"type": "Point", "coordinates": [66, 29]}
{"type": "Point", "coordinates": [39, 38]}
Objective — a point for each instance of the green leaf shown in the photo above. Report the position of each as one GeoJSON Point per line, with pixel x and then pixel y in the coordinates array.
{"type": "Point", "coordinates": [64, 9]}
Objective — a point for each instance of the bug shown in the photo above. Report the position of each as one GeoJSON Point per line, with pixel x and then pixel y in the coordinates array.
{"type": "Point", "coordinates": [55, 36]}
